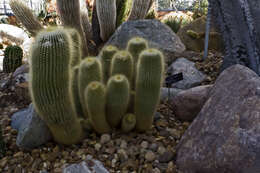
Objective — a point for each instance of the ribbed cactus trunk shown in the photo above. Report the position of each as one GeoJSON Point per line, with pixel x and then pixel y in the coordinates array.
{"type": "Point", "coordinates": [95, 26]}
{"type": "Point", "coordinates": [117, 96]}
{"type": "Point", "coordinates": [90, 70]}
{"type": "Point", "coordinates": [95, 96]}
{"type": "Point", "coordinates": [13, 56]}
{"type": "Point", "coordinates": [106, 12]}
{"type": "Point", "coordinates": [106, 55]}
{"type": "Point", "coordinates": [69, 11]}
{"type": "Point", "coordinates": [50, 77]}
{"type": "Point", "coordinates": [139, 9]}
{"type": "Point", "coordinates": [150, 69]}
{"type": "Point", "coordinates": [25, 16]}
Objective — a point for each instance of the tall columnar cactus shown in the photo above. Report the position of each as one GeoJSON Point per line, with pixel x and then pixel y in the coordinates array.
{"type": "Point", "coordinates": [117, 99]}
{"type": "Point", "coordinates": [50, 77]}
{"type": "Point", "coordinates": [13, 56]}
{"type": "Point", "coordinates": [106, 56]}
{"type": "Point", "coordinates": [25, 15]}
{"type": "Point", "coordinates": [106, 11]}
{"type": "Point", "coordinates": [135, 46]}
{"type": "Point", "coordinates": [139, 9]}
{"type": "Point", "coordinates": [123, 10]}
{"type": "Point", "coordinates": [95, 96]}
{"type": "Point", "coordinates": [150, 69]}
{"type": "Point", "coordinates": [89, 71]}
{"type": "Point", "coordinates": [69, 11]}
{"type": "Point", "coordinates": [76, 50]}
{"type": "Point", "coordinates": [75, 92]}
{"type": "Point", "coordinates": [122, 63]}
{"type": "Point", "coordinates": [87, 28]}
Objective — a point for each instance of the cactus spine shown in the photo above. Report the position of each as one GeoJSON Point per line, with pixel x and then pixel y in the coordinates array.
{"type": "Point", "coordinates": [122, 63]}
{"type": "Point", "coordinates": [89, 71]}
{"type": "Point", "coordinates": [150, 69]}
{"type": "Point", "coordinates": [50, 77]}
{"type": "Point", "coordinates": [117, 97]}
{"type": "Point", "coordinates": [95, 96]}
{"type": "Point", "coordinates": [106, 11]}
{"type": "Point", "coordinates": [128, 122]}
{"type": "Point", "coordinates": [139, 9]}
{"type": "Point", "coordinates": [69, 11]}
{"type": "Point", "coordinates": [13, 56]}
{"type": "Point", "coordinates": [106, 56]}
{"type": "Point", "coordinates": [25, 15]}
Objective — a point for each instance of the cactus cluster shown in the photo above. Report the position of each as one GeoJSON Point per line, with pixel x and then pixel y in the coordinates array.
{"type": "Point", "coordinates": [13, 56]}
{"type": "Point", "coordinates": [118, 89]}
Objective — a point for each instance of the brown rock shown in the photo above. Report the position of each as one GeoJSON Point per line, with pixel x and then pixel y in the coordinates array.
{"type": "Point", "coordinates": [187, 104]}
{"type": "Point", "coordinates": [225, 136]}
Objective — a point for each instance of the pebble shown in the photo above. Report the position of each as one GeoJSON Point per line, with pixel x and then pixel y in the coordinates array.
{"type": "Point", "coordinates": [156, 170]}
{"type": "Point", "coordinates": [123, 144]}
{"type": "Point", "coordinates": [144, 144]}
{"type": "Point", "coordinates": [154, 147]}
{"type": "Point", "coordinates": [105, 138]}
{"type": "Point", "coordinates": [161, 150]}
{"type": "Point", "coordinates": [175, 133]}
{"type": "Point", "coordinates": [97, 146]}
{"type": "Point", "coordinates": [166, 157]}
{"type": "Point", "coordinates": [150, 156]}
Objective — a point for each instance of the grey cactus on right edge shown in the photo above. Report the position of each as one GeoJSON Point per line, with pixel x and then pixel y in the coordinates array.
{"type": "Point", "coordinates": [150, 70]}
{"type": "Point", "coordinates": [106, 12]}
{"type": "Point", "coordinates": [25, 15]}
{"type": "Point", "coordinates": [50, 77]}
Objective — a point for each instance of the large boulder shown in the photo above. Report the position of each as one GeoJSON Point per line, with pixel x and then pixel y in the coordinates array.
{"type": "Point", "coordinates": [225, 136]}
{"type": "Point", "coordinates": [32, 130]}
{"type": "Point", "coordinates": [188, 103]}
{"type": "Point", "coordinates": [156, 33]}
{"type": "Point", "coordinates": [191, 75]}
{"type": "Point", "coordinates": [196, 42]}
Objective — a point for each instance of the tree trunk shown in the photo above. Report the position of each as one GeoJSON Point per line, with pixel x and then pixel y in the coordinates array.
{"type": "Point", "coordinates": [239, 23]}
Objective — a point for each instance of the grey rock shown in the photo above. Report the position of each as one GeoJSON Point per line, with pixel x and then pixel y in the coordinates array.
{"type": "Point", "coordinates": [21, 70]}
{"type": "Point", "coordinates": [191, 76]}
{"type": "Point", "coordinates": [157, 34]}
{"type": "Point", "coordinates": [150, 156]}
{"type": "Point", "coordinates": [88, 166]}
{"type": "Point", "coordinates": [105, 138]}
{"type": "Point", "coordinates": [169, 93]}
{"type": "Point", "coordinates": [32, 130]}
{"type": "Point", "coordinates": [188, 103]}
{"type": "Point", "coordinates": [225, 136]}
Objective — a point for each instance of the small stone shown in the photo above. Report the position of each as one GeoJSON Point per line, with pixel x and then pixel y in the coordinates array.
{"type": "Point", "coordinates": [144, 144]}
{"type": "Point", "coordinates": [154, 147]}
{"type": "Point", "coordinates": [123, 144]}
{"type": "Point", "coordinates": [166, 157]}
{"type": "Point", "coordinates": [175, 133]}
{"type": "Point", "coordinates": [114, 163]}
{"type": "Point", "coordinates": [161, 150]}
{"type": "Point", "coordinates": [150, 156]}
{"type": "Point", "coordinates": [97, 146]}
{"type": "Point", "coordinates": [105, 138]}
{"type": "Point", "coordinates": [19, 154]}
{"type": "Point", "coordinates": [156, 170]}
{"type": "Point", "coordinates": [122, 155]}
